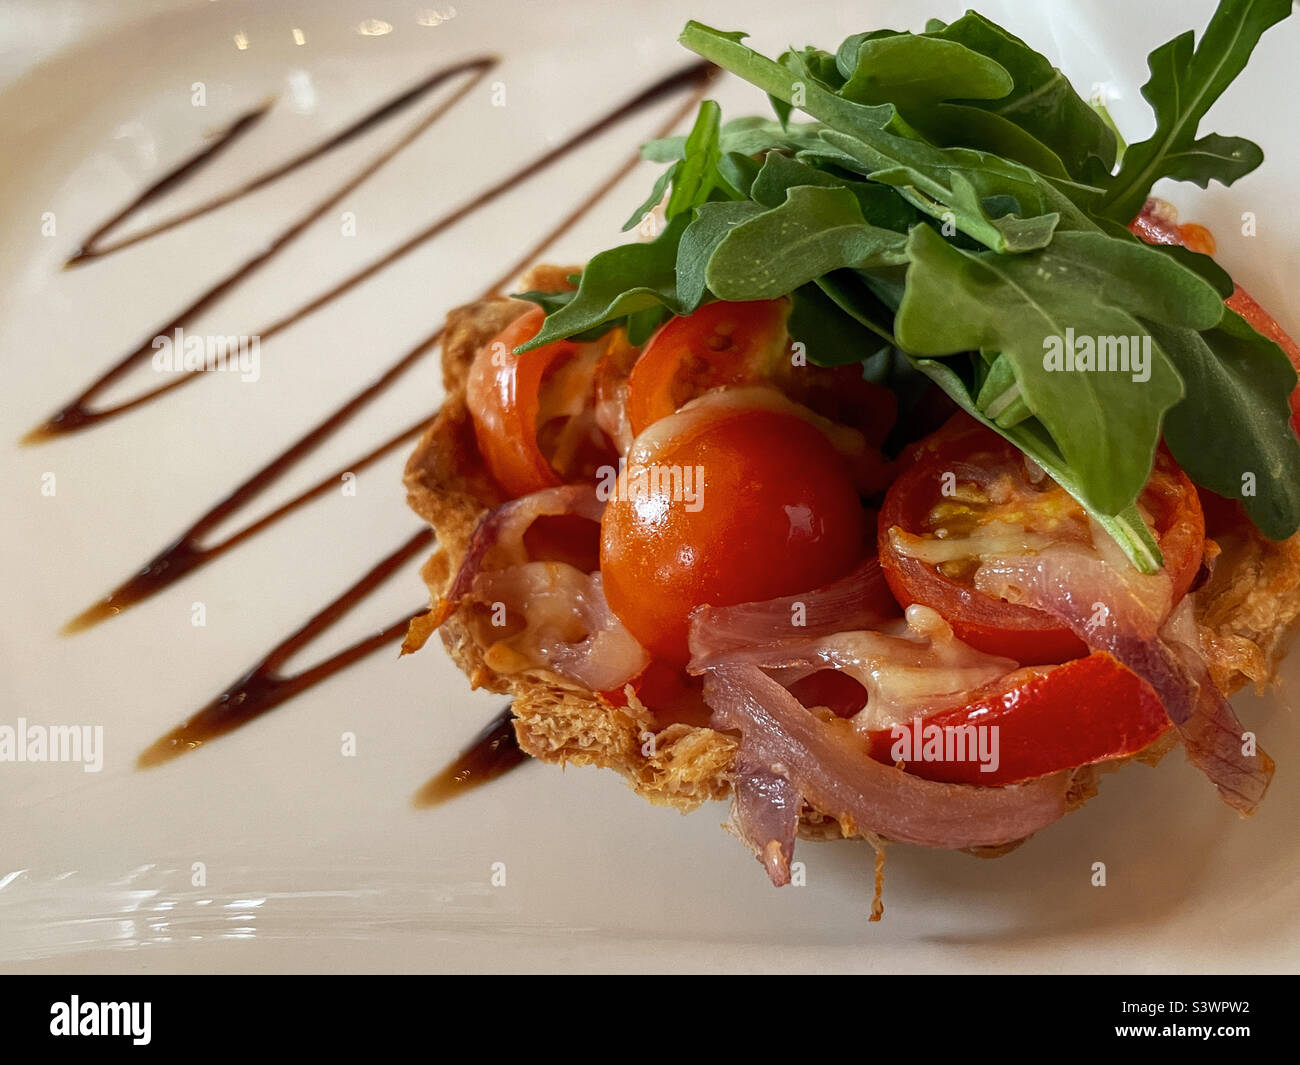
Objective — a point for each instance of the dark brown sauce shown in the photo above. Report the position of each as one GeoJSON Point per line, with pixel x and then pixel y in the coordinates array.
{"type": "Point", "coordinates": [78, 414]}
{"type": "Point", "coordinates": [186, 552]}
{"type": "Point", "coordinates": [491, 754]}
{"type": "Point", "coordinates": [264, 686]}
{"type": "Point", "coordinates": [96, 246]}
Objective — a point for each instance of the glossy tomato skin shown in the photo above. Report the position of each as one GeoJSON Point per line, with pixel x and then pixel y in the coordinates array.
{"type": "Point", "coordinates": [727, 344]}
{"type": "Point", "coordinates": [504, 399]}
{"type": "Point", "coordinates": [720, 344]}
{"type": "Point", "coordinates": [993, 625]}
{"type": "Point", "coordinates": [778, 514]}
{"type": "Point", "coordinates": [1086, 711]}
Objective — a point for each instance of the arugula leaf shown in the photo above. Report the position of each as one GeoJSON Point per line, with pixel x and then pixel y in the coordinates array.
{"type": "Point", "coordinates": [1105, 424]}
{"type": "Point", "coordinates": [704, 161]}
{"type": "Point", "coordinates": [738, 173]}
{"type": "Point", "coordinates": [1202, 265]}
{"type": "Point", "coordinates": [816, 230]}
{"type": "Point", "coordinates": [711, 225]}
{"type": "Point", "coordinates": [697, 175]}
{"type": "Point", "coordinates": [664, 149]}
{"type": "Point", "coordinates": [874, 137]}
{"type": "Point", "coordinates": [847, 56]}
{"type": "Point", "coordinates": [1000, 396]}
{"type": "Point", "coordinates": [618, 282]}
{"type": "Point", "coordinates": [551, 302]}
{"type": "Point", "coordinates": [880, 205]}
{"type": "Point", "coordinates": [964, 126]}
{"type": "Point", "coordinates": [917, 72]}
{"type": "Point", "coordinates": [952, 208]}
{"type": "Point", "coordinates": [1185, 81]}
{"type": "Point", "coordinates": [1213, 157]}
{"type": "Point", "coordinates": [694, 173]}
{"type": "Point", "coordinates": [652, 201]}
{"type": "Point", "coordinates": [1237, 387]}
{"type": "Point", "coordinates": [856, 295]}
{"type": "Point", "coordinates": [955, 186]}
{"type": "Point", "coordinates": [642, 324]}
{"type": "Point", "coordinates": [750, 135]}
{"type": "Point", "coordinates": [820, 64]}
{"type": "Point", "coordinates": [830, 337]}
{"type": "Point", "coordinates": [1042, 102]}
{"type": "Point", "coordinates": [780, 79]}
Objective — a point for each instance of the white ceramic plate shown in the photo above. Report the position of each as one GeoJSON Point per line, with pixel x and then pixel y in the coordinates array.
{"type": "Point", "coordinates": [314, 860]}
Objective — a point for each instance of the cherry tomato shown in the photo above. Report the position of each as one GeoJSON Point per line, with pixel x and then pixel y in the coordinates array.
{"type": "Point", "coordinates": [747, 343]}
{"type": "Point", "coordinates": [670, 693]}
{"type": "Point", "coordinates": [720, 344]}
{"type": "Point", "coordinates": [534, 414]}
{"type": "Point", "coordinates": [777, 514]}
{"type": "Point", "coordinates": [966, 480]}
{"type": "Point", "coordinates": [1089, 710]}
{"type": "Point", "coordinates": [504, 398]}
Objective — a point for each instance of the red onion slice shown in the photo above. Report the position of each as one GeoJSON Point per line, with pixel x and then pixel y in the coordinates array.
{"type": "Point", "coordinates": [570, 627]}
{"type": "Point", "coordinates": [861, 600]}
{"type": "Point", "coordinates": [910, 667]}
{"type": "Point", "coordinates": [498, 539]}
{"type": "Point", "coordinates": [1115, 610]}
{"type": "Point", "coordinates": [823, 764]}
{"type": "Point", "coordinates": [765, 814]}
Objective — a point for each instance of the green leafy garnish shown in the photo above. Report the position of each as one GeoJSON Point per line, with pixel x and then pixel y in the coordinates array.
{"type": "Point", "coordinates": [1105, 424]}
{"type": "Point", "coordinates": [1042, 103]}
{"type": "Point", "coordinates": [1185, 81]}
{"type": "Point", "coordinates": [945, 206]}
{"type": "Point", "coordinates": [813, 232]}
{"type": "Point", "coordinates": [1237, 392]}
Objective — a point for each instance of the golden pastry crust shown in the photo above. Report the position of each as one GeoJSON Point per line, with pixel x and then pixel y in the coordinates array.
{"type": "Point", "coordinates": [1246, 610]}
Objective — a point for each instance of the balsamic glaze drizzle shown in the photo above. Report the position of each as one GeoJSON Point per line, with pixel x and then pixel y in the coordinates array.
{"type": "Point", "coordinates": [264, 686]}
{"type": "Point", "coordinates": [491, 754]}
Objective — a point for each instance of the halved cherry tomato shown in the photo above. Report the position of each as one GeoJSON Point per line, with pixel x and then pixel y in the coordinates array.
{"type": "Point", "coordinates": [987, 482]}
{"type": "Point", "coordinates": [1089, 710]}
{"type": "Point", "coordinates": [720, 344]}
{"type": "Point", "coordinates": [504, 398]}
{"type": "Point", "coordinates": [747, 343]}
{"type": "Point", "coordinates": [533, 413]}
{"type": "Point", "coordinates": [777, 514]}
